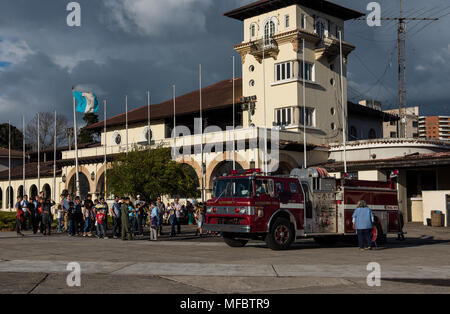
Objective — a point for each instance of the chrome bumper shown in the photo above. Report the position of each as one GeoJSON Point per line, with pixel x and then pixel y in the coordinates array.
{"type": "Point", "coordinates": [227, 228]}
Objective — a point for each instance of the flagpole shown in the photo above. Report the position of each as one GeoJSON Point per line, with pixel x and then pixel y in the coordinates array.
{"type": "Point", "coordinates": [344, 126]}
{"type": "Point", "coordinates": [304, 109]}
{"type": "Point", "coordinates": [265, 113]}
{"type": "Point", "coordinates": [106, 147]}
{"type": "Point", "coordinates": [77, 170]}
{"type": "Point", "coordinates": [126, 114]}
{"type": "Point", "coordinates": [9, 166]}
{"type": "Point", "coordinates": [234, 116]}
{"type": "Point", "coordinates": [24, 156]}
{"type": "Point", "coordinates": [54, 162]}
{"type": "Point", "coordinates": [149, 132]}
{"type": "Point", "coordinates": [201, 134]}
{"type": "Point", "coordinates": [39, 151]}
{"type": "Point", "coordinates": [174, 119]}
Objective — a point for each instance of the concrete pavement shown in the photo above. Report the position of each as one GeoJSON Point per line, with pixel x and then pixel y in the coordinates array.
{"type": "Point", "coordinates": [38, 265]}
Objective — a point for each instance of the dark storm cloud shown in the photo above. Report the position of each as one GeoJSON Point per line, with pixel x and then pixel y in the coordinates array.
{"type": "Point", "coordinates": [129, 46]}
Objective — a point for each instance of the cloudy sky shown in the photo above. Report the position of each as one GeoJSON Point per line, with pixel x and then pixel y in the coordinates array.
{"type": "Point", "coordinates": [125, 47]}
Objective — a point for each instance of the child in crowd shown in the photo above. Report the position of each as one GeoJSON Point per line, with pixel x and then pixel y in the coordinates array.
{"type": "Point", "coordinates": [60, 216]}
{"type": "Point", "coordinates": [100, 222]}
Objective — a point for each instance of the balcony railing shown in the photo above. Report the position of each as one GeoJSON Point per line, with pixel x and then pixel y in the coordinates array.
{"type": "Point", "coordinates": [264, 48]}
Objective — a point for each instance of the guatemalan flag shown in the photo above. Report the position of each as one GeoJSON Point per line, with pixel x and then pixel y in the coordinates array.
{"type": "Point", "coordinates": [86, 102]}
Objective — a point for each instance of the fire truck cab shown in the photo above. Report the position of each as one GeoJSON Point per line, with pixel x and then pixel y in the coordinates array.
{"type": "Point", "coordinates": [281, 210]}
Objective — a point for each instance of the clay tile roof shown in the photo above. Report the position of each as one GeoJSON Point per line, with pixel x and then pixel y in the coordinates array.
{"type": "Point", "coordinates": [30, 171]}
{"type": "Point", "coordinates": [214, 96]}
{"type": "Point", "coordinates": [14, 153]}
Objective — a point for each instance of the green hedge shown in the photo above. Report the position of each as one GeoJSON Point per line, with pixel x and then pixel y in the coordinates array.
{"type": "Point", "coordinates": [7, 221]}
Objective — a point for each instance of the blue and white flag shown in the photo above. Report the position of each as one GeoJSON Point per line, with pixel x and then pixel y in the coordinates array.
{"type": "Point", "coordinates": [86, 102]}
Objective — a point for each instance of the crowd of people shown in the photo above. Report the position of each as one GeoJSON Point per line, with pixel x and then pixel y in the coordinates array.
{"type": "Point", "coordinates": [89, 218]}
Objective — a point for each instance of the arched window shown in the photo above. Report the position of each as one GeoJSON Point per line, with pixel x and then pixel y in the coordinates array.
{"type": "Point", "coordinates": [353, 134]}
{"type": "Point", "coordinates": [269, 31]}
{"type": "Point", "coordinates": [320, 27]}
{"type": "Point", "coordinates": [372, 134]}
{"type": "Point", "coordinates": [252, 31]}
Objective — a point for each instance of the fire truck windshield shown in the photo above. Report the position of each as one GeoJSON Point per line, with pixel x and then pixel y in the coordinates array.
{"type": "Point", "coordinates": [233, 188]}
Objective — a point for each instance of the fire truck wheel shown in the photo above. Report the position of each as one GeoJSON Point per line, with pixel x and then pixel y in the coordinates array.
{"type": "Point", "coordinates": [382, 238]}
{"type": "Point", "coordinates": [281, 235]}
{"type": "Point", "coordinates": [232, 242]}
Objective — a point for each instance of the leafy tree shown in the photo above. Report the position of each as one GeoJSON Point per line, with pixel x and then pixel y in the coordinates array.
{"type": "Point", "coordinates": [89, 136]}
{"type": "Point", "coordinates": [151, 174]}
{"type": "Point", "coordinates": [16, 137]}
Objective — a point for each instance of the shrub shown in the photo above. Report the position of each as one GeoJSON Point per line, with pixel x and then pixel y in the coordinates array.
{"type": "Point", "coordinates": [7, 221]}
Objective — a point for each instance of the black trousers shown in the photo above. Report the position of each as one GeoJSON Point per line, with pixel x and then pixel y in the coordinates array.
{"type": "Point", "coordinates": [178, 225]}
{"type": "Point", "coordinates": [46, 224]}
{"type": "Point", "coordinates": [160, 228]}
{"type": "Point", "coordinates": [36, 223]}
{"type": "Point", "coordinates": [116, 227]}
{"type": "Point", "coordinates": [18, 225]}
{"type": "Point", "coordinates": [31, 220]}
{"type": "Point", "coordinates": [80, 222]}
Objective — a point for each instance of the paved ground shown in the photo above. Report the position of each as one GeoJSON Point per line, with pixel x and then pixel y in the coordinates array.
{"type": "Point", "coordinates": [186, 264]}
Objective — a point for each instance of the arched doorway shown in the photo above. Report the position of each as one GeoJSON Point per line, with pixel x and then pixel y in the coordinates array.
{"type": "Point", "coordinates": [100, 190]}
{"type": "Point", "coordinates": [221, 169]}
{"type": "Point", "coordinates": [192, 174]}
{"type": "Point", "coordinates": [84, 186]}
{"type": "Point", "coordinates": [283, 169]}
{"type": "Point", "coordinates": [10, 197]}
{"type": "Point", "coordinates": [20, 191]}
{"type": "Point", "coordinates": [47, 191]}
{"type": "Point", "coordinates": [33, 192]}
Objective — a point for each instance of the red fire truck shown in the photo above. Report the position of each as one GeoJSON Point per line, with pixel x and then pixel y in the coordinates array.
{"type": "Point", "coordinates": [281, 210]}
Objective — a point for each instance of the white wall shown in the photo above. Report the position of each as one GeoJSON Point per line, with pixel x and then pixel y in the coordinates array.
{"type": "Point", "coordinates": [435, 200]}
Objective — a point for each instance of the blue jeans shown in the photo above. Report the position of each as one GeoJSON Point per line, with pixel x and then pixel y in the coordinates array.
{"type": "Point", "coordinates": [73, 228]}
{"type": "Point", "coordinates": [173, 224]}
{"type": "Point", "coordinates": [60, 224]}
{"type": "Point", "coordinates": [101, 230]}
{"type": "Point", "coordinates": [87, 225]}
{"type": "Point", "coordinates": [364, 235]}
{"type": "Point", "coordinates": [132, 224]}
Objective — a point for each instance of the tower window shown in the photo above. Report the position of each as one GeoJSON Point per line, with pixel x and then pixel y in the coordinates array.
{"type": "Point", "coordinates": [269, 31]}
{"type": "Point", "coordinates": [309, 115]}
{"type": "Point", "coordinates": [252, 31]}
{"type": "Point", "coordinates": [309, 71]}
{"type": "Point", "coordinates": [286, 21]}
{"type": "Point", "coordinates": [284, 71]}
{"type": "Point", "coordinates": [303, 21]}
{"type": "Point", "coordinates": [283, 117]}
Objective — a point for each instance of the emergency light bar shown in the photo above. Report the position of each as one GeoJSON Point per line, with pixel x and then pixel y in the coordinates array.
{"type": "Point", "coordinates": [242, 172]}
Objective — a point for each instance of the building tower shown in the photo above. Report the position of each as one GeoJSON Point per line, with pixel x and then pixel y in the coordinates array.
{"type": "Point", "coordinates": [273, 71]}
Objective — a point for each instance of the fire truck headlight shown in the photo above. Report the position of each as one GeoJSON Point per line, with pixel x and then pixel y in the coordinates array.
{"type": "Point", "coordinates": [209, 210]}
{"type": "Point", "coordinates": [260, 213]}
{"type": "Point", "coordinates": [243, 211]}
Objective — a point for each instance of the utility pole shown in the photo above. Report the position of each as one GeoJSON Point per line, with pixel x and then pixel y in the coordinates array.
{"type": "Point", "coordinates": [402, 86]}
